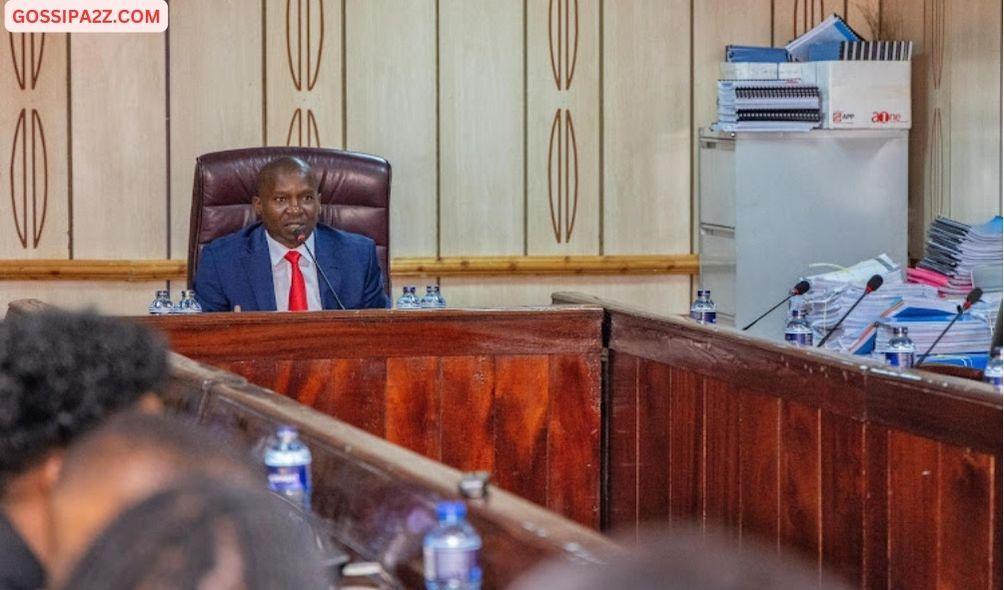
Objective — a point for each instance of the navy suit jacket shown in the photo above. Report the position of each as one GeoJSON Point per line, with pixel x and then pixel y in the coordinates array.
{"type": "Point", "coordinates": [236, 270]}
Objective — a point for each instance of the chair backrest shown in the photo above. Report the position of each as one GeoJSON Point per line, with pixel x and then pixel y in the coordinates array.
{"type": "Point", "coordinates": [355, 195]}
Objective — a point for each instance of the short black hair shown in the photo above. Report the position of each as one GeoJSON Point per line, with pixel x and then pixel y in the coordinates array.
{"type": "Point", "coordinates": [284, 164]}
{"type": "Point", "coordinates": [187, 449]}
{"type": "Point", "coordinates": [204, 534]}
{"type": "Point", "coordinates": [61, 373]}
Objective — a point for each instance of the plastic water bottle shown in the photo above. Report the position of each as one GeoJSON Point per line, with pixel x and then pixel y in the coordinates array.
{"type": "Point", "coordinates": [798, 331]}
{"type": "Point", "coordinates": [408, 299]}
{"type": "Point", "coordinates": [451, 551]}
{"type": "Point", "coordinates": [161, 304]}
{"type": "Point", "coordinates": [992, 374]}
{"type": "Point", "coordinates": [432, 298]}
{"type": "Point", "coordinates": [901, 349]}
{"type": "Point", "coordinates": [287, 463]}
{"type": "Point", "coordinates": [188, 303]}
{"type": "Point", "coordinates": [709, 314]}
{"type": "Point", "coordinates": [440, 301]}
{"type": "Point", "coordinates": [697, 307]}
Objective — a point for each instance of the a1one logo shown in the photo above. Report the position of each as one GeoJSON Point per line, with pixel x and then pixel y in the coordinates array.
{"type": "Point", "coordinates": [886, 117]}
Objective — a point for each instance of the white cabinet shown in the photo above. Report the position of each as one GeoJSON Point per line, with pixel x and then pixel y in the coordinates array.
{"type": "Point", "coordinates": [772, 204]}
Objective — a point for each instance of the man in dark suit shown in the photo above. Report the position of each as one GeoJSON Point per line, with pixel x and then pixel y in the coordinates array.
{"type": "Point", "coordinates": [266, 266]}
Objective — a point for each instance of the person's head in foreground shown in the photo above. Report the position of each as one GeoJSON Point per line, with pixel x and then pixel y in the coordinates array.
{"type": "Point", "coordinates": [204, 534]}
{"type": "Point", "coordinates": [683, 560]}
{"type": "Point", "coordinates": [126, 460]}
{"type": "Point", "coordinates": [61, 374]}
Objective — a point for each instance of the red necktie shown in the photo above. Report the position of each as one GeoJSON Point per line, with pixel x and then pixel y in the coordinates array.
{"type": "Point", "coordinates": [297, 288]}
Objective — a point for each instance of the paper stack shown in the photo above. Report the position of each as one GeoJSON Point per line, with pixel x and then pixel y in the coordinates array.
{"type": "Point", "coordinates": [954, 250]}
{"type": "Point", "coordinates": [767, 105]}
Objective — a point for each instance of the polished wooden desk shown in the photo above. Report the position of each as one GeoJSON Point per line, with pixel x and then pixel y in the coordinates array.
{"type": "Point", "coordinates": [378, 497]}
{"type": "Point", "coordinates": [889, 478]}
{"type": "Point", "coordinates": [515, 392]}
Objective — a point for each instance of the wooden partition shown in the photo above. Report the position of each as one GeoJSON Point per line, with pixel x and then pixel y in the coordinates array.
{"type": "Point", "coordinates": [379, 498]}
{"type": "Point", "coordinates": [513, 392]}
{"type": "Point", "coordinates": [891, 479]}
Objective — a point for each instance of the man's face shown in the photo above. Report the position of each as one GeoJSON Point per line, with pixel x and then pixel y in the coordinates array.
{"type": "Point", "coordinates": [291, 204]}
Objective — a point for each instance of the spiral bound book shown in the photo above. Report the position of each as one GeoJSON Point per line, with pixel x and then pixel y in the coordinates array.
{"type": "Point", "coordinates": [767, 105]}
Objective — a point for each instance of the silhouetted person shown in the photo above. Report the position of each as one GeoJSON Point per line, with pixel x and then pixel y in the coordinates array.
{"type": "Point", "coordinates": [129, 458]}
{"type": "Point", "coordinates": [683, 560]}
{"type": "Point", "coordinates": [61, 374]}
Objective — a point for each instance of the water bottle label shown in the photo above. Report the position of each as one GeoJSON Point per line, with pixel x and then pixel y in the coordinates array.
{"type": "Point", "coordinates": [444, 565]}
{"type": "Point", "coordinates": [799, 338]}
{"type": "Point", "coordinates": [899, 359]}
{"type": "Point", "coordinates": [709, 317]}
{"type": "Point", "coordinates": [995, 380]}
{"type": "Point", "coordinates": [293, 478]}
{"type": "Point", "coordinates": [695, 314]}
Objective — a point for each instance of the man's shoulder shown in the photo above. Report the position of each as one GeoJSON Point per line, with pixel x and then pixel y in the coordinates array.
{"type": "Point", "coordinates": [345, 239]}
{"type": "Point", "coordinates": [233, 240]}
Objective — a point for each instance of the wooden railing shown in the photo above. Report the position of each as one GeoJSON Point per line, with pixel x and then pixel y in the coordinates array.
{"type": "Point", "coordinates": [379, 498]}
{"type": "Point", "coordinates": [514, 392]}
{"type": "Point", "coordinates": [457, 266]}
{"type": "Point", "coordinates": [891, 479]}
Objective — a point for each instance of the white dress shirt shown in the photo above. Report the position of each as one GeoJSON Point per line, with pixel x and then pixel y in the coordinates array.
{"type": "Point", "coordinates": [282, 275]}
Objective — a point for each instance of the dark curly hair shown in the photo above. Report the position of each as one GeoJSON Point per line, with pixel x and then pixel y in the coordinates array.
{"type": "Point", "coordinates": [61, 373]}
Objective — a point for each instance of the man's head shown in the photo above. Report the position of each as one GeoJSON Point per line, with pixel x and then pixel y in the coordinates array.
{"type": "Point", "coordinates": [129, 458]}
{"type": "Point", "coordinates": [287, 201]}
{"type": "Point", "coordinates": [63, 373]}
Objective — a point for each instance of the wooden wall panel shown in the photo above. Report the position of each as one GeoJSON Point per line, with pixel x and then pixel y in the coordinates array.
{"type": "Point", "coordinates": [759, 448]}
{"type": "Point", "coordinates": [391, 108]}
{"type": "Point", "coordinates": [563, 126]}
{"type": "Point", "coordinates": [800, 485]}
{"type": "Point", "coordinates": [913, 511]}
{"type": "Point", "coordinates": [481, 127]}
{"type": "Point", "coordinates": [646, 126]}
{"type": "Point", "coordinates": [573, 413]}
{"type": "Point", "coordinates": [119, 146]}
{"type": "Point", "coordinates": [623, 453]}
{"type": "Point", "coordinates": [659, 294]}
{"type": "Point", "coordinates": [303, 73]}
{"type": "Point", "coordinates": [413, 405]}
{"type": "Point", "coordinates": [34, 165]}
{"type": "Point", "coordinates": [794, 17]}
{"type": "Point", "coordinates": [466, 393]}
{"type": "Point", "coordinates": [974, 36]}
{"type": "Point", "coordinates": [842, 486]}
{"type": "Point", "coordinates": [653, 417]}
{"type": "Point", "coordinates": [216, 92]}
{"type": "Point", "coordinates": [522, 391]}
{"type": "Point", "coordinates": [109, 298]}
{"type": "Point", "coordinates": [965, 479]}
{"type": "Point", "coordinates": [686, 435]}
{"type": "Point", "coordinates": [721, 457]}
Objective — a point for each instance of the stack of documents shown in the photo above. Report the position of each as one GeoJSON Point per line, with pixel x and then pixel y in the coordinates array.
{"type": "Point", "coordinates": [767, 105]}
{"type": "Point", "coordinates": [954, 251]}
{"type": "Point", "coordinates": [831, 30]}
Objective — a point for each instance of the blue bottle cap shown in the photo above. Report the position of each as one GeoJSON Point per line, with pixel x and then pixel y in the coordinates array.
{"type": "Point", "coordinates": [450, 511]}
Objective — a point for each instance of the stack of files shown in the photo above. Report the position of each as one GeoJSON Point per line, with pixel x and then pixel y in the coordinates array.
{"type": "Point", "coordinates": [833, 293]}
{"type": "Point", "coordinates": [955, 250]}
{"type": "Point", "coordinates": [861, 51]}
{"type": "Point", "coordinates": [767, 105]}
{"type": "Point", "coordinates": [748, 53]}
{"type": "Point", "coordinates": [831, 30]}
{"type": "Point", "coordinates": [926, 319]}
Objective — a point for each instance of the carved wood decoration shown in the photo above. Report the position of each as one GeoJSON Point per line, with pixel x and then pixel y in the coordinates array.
{"type": "Point", "coordinates": [304, 51]}
{"type": "Point", "coordinates": [29, 160]}
{"type": "Point", "coordinates": [562, 150]}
